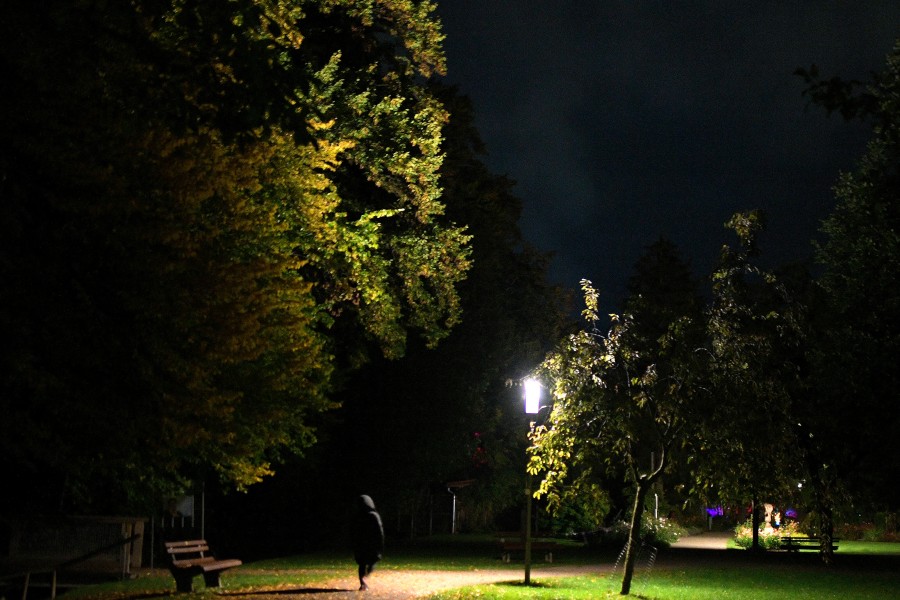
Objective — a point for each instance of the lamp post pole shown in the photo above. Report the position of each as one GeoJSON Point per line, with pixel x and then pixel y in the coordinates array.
{"type": "Point", "coordinates": [528, 531]}
{"type": "Point", "coordinates": [532, 406]}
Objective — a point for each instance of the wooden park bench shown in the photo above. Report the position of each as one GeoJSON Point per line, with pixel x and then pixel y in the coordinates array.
{"type": "Point", "coordinates": [188, 558]}
{"type": "Point", "coordinates": [795, 543]}
{"type": "Point", "coordinates": [514, 541]}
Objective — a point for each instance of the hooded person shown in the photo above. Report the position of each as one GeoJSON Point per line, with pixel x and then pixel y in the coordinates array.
{"type": "Point", "coordinates": [368, 538]}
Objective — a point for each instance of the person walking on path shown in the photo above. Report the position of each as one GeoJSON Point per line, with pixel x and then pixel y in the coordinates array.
{"type": "Point", "coordinates": [368, 538]}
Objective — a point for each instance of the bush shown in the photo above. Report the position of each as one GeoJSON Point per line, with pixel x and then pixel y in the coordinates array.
{"type": "Point", "coordinates": [584, 513]}
{"type": "Point", "coordinates": [661, 532]}
{"type": "Point", "coordinates": [655, 532]}
{"type": "Point", "coordinates": [769, 539]}
{"type": "Point", "coordinates": [883, 528]}
{"type": "Point", "coordinates": [855, 531]}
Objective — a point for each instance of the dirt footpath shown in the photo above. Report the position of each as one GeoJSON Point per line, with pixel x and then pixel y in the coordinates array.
{"type": "Point", "coordinates": [390, 584]}
{"type": "Point", "coordinates": [707, 540]}
{"type": "Point", "coordinates": [386, 584]}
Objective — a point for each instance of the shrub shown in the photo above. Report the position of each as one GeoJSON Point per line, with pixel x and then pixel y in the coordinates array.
{"type": "Point", "coordinates": [655, 532]}
{"type": "Point", "coordinates": [855, 531]}
{"type": "Point", "coordinates": [769, 539]}
{"type": "Point", "coordinates": [661, 532]}
{"type": "Point", "coordinates": [880, 527]}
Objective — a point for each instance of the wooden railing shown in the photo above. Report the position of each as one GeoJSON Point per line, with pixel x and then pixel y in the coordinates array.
{"type": "Point", "coordinates": [54, 569]}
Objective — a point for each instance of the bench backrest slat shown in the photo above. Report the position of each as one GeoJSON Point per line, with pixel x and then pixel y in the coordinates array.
{"type": "Point", "coordinates": [183, 550]}
{"type": "Point", "coordinates": [182, 543]}
{"type": "Point", "coordinates": [187, 550]}
{"type": "Point", "coordinates": [189, 562]}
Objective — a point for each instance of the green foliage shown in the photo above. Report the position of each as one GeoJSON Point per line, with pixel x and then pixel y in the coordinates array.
{"type": "Point", "coordinates": [859, 330]}
{"type": "Point", "coordinates": [881, 527]}
{"type": "Point", "coordinates": [663, 532]}
{"type": "Point", "coordinates": [450, 415]}
{"type": "Point", "coordinates": [836, 94]}
{"type": "Point", "coordinates": [581, 514]}
{"type": "Point", "coordinates": [210, 207]}
{"type": "Point", "coordinates": [661, 292]}
{"type": "Point", "coordinates": [620, 396]}
{"type": "Point", "coordinates": [755, 360]}
{"type": "Point", "coordinates": [659, 533]}
{"type": "Point", "coordinates": [617, 398]}
{"type": "Point", "coordinates": [769, 538]}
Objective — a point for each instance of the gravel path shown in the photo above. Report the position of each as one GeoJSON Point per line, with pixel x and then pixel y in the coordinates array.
{"type": "Point", "coordinates": [707, 540]}
{"type": "Point", "coordinates": [396, 584]}
{"type": "Point", "coordinates": [389, 584]}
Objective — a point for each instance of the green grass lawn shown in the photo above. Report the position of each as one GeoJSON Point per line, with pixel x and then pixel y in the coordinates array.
{"type": "Point", "coordinates": [877, 548]}
{"type": "Point", "coordinates": [778, 575]}
{"type": "Point", "coordinates": [701, 583]}
{"type": "Point", "coordinates": [708, 583]}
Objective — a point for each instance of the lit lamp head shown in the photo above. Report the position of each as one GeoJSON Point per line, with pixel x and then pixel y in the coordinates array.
{"type": "Point", "coordinates": [532, 396]}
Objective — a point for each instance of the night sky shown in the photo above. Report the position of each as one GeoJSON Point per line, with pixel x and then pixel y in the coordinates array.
{"type": "Point", "coordinates": [622, 121]}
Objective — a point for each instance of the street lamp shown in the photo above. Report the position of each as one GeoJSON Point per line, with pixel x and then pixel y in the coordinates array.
{"type": "Point", "coordinates": [532, 406]}
{"type": "Point", "coordinates": [532, 396]}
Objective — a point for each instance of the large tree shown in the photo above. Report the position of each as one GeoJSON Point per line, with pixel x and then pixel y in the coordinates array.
{"type": "Point", "coordinates": [208, 207]}
{"type": "Point", "coordinates": [755, 372]}
{"type": "Point", "coordinates": [858, 332]}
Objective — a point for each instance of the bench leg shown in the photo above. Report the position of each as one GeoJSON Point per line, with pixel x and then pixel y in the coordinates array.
{"type": "Point", "coordinates": [184, 582]}
{"type": "Point", "coordinates": [212, 579]}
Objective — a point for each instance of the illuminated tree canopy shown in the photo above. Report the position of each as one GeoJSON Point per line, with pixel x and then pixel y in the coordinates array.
{"type": "Point", "coordinates": [619, 398]}
{"type": "Point", "coordinates": [207, 207]}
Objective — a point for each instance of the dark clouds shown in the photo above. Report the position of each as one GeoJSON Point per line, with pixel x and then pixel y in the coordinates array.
{"type": "Point", "coordinates": [625, 120]}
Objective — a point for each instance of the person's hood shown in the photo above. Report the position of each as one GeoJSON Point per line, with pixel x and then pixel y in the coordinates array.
{"type": "Point", "coordinates": [366, 504]}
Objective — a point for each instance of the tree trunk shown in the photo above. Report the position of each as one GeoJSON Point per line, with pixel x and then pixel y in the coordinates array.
{"type": "Point", "coordinates": [634, 534]}
{"type": "Point", "coordinates": [754, 524]}
{"type": "Point", "coordinates": [826, 519]}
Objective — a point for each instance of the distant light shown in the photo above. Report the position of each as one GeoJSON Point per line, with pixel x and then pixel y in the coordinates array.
{"type": "Point", "coordinates": [800, 486]}
{"type": "Point", "coordinates": [532, 396]}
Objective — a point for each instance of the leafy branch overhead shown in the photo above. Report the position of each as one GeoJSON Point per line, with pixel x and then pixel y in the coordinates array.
{"type": "Point", "coordinates": [211, 206]}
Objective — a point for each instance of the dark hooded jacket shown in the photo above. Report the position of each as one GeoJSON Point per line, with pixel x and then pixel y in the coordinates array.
{"type": "Point", "coordinates": [367, 533]}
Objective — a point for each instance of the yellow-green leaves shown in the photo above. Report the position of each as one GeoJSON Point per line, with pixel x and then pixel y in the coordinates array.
{"type": "Point", "coordinates": [198, 192]}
